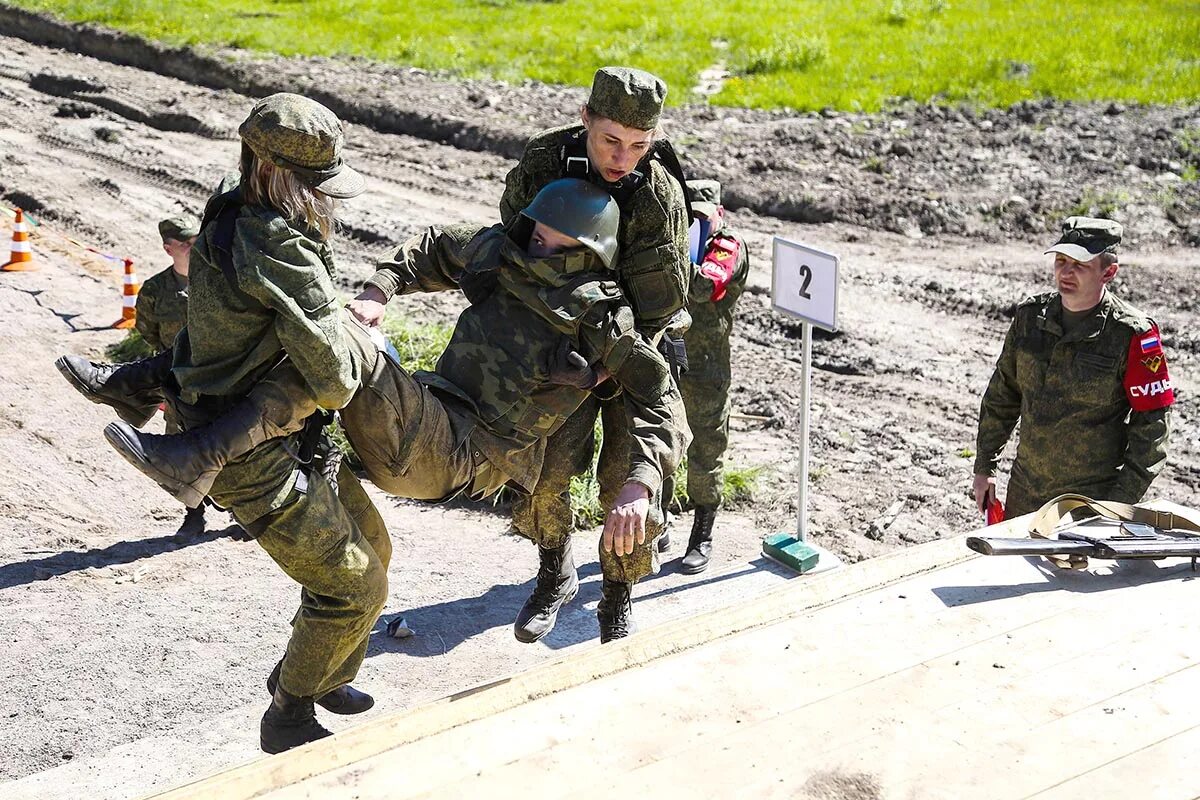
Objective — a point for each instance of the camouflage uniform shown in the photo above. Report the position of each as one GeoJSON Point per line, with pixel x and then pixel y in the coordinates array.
{"type": "Point", "coordinates": [280, 301]}
{"type": "Point", "coordinates": [162, 308]}
{"type": "Point", "coordinates": [1069, 391]}
{"type": "Point", "coordinates": [488, 403]}
{"type": "Point", "coordinates": [705, 385]}
{"type": "Point", "coordinates": [653, 270]}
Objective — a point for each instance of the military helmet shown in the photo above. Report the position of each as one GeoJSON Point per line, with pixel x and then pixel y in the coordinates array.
{"type": "Point", "coordinates": [582, 211]}
{"type": "Point", "coordinates": [299, 134]}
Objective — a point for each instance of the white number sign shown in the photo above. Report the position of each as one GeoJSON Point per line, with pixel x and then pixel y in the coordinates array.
{"type": "Point", "coordinates": [804, 283]}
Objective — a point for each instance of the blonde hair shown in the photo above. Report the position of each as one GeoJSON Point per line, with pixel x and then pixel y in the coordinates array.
{"type": "Point", "coordinates": [265, 184]}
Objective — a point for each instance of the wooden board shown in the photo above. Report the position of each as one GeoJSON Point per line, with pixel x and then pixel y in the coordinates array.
{"type": "Point", "coordinates": [925, 674]}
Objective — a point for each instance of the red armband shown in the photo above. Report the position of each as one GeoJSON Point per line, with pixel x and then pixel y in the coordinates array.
{"type": "Point", "coordinates": [1147, 385]}
{"type": "Point", "coordinates": [719, 263]}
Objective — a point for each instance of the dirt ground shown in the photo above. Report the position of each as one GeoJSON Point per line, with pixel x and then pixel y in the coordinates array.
{"type": "Point", "coordinates": [134, 658]}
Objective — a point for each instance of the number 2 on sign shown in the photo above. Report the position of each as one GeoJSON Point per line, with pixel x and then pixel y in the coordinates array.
{"type": "Point", "coordinates": [806, 276]}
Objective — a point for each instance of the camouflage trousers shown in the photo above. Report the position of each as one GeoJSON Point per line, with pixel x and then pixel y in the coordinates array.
{"type": "Point", "coordinates": [706, 398]}
{"type": "Point", "coordinates": [1027, 493]}
{"type": "Point", "coordinates": [334, 544]}
{"type": "Point", "coordinates": [545, 516]}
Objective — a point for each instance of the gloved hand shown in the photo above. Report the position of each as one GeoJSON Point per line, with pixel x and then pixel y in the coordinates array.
{"type": "Point", "coordinates": [718, 266]}
{"type": "Point", "coordinates": [570, 368]}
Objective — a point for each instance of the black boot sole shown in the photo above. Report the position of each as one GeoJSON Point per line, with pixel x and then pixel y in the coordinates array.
{"type": "Point", "coordinates": [525, 638]}
{"type": "Point", "coordinates": [688, 569]}
{"type": "Point", "coordinates": [130, 449]}
{"type": "Point", "coordinates": [131, 414]}
{"type": "Point", "coordinates": [275, 743]}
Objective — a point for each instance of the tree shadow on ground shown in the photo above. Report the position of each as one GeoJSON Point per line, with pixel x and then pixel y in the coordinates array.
{"type": "Point", "coordinates": [19, 573]}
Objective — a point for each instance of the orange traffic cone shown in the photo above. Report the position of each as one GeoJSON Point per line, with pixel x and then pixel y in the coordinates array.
{"type": "Point", "coordinates": [129, 298]}
{"type": "Point", "coordinates": [22, 256]}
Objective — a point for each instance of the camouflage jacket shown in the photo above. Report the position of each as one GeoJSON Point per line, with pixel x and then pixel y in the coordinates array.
{"type": "Point", "coordinates": [162, 308]}
{"type": "Point", "coordinates": [652, 261]}
{"type": "Point", "coordinates": [503, 346]}
{"type": "Point", "coordinates": [1072, 394]}
{"type": "Point", "coordinates": [283, 303]}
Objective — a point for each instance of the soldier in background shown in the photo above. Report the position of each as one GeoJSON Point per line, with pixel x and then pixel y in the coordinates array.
{"type": "Point", "coordinates": [615, 146]}
{"type": "Point", "coordinates": [162, 313]}
{"type": "Point", "coordinates": [1085, 374]}
{"type": "Point", "coordinates": [717, 283]}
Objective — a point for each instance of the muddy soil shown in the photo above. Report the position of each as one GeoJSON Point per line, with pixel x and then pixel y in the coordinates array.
{"type": "Point", "coordinates": [127, 642]}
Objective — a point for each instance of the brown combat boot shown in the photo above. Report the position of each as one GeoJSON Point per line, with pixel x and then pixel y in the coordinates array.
{"type": "Point", "coordinates": [133, 389]}
{"type": "Point", "coordinates": [615, 611]}
{"type": "Point", "coordinates": [186, 464]}
{"type": "Point", "coordinates": [290, 721]}
{"type": "Point", "coordinates": [699, 549]}
{"type": "Point", "coordinates": [557, 585]}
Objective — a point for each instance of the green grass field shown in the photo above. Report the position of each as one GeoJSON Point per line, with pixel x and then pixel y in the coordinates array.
{"type": "Point", "coordinates": [856, 54]}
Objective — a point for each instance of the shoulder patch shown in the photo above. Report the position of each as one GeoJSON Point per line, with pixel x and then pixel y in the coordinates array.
{"type": "Point", "coordinates": [1147, 384]}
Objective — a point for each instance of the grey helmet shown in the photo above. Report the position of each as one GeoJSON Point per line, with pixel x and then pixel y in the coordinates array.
{"type": "Point", "coordinates": [582, 211]}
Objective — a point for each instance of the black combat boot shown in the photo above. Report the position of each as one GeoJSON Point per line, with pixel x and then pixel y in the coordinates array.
{"type": "Point", "coordinates": [699, 549]}
{"type": "Point", "coordinates": [186, 464]}
{"type": "Point", "coordinates": [290, 722]}
{"type": "Point", "coordinates": [133, 389]}
{"type": "Point", "coordinates": [615, 611]}
{"type": "Point", "coordinates": [342, 700]}
{"type": "Point", "coordinates": [557, 585]}
{"type": "Point", "coordinates": [193, 522]}
{"type": "Point", "coordinates": [663, 542]}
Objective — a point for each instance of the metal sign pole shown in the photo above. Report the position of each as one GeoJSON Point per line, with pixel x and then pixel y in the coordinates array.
{"type": "Point", "coordinates": [802, 467]}
{"type": "Point", "coordinates": [804, 285]}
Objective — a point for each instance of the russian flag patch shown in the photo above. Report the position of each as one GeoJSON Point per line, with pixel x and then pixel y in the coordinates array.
{"type": "Point", "coordinates": [1150, 342]}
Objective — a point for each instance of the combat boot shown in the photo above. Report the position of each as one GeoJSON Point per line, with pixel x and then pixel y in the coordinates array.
{"type": "Point", "coordinates": [615, 611]}
{"type": "Point", "coordinates": [557, 585]}
{"type": "Point", "coordinates": [699, 549]}
{"type": "Point", "coordinates": [663, 542]}
{"type": "Point", "coordinates": [342, 700]}
{"type": "Point", "coordinates": [186, 464]}
{"type": "Point", "coordinates": [193, 522]}
{"type": "Point", "coordinates": [133, 389]}
{"type": "Point", "coordinates": [290, 722]}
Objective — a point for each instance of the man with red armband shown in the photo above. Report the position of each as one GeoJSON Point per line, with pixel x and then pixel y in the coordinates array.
{"type": "Point", "coordinates": [716, 285]}
{"type": "Point", "coordinates": [1086, 375]}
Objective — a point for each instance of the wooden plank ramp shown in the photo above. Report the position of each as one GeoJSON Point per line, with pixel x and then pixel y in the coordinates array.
{"type": "Point", "coordinates": [928, 673]}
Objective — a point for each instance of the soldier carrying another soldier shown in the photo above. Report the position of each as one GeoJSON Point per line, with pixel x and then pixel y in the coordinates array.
{"type": "Point", "coordinates": [482, 419]}
{"type": "Point", "coordinates": [615, 146]}
{"type": "Point", "coordinates": [1085, 374]}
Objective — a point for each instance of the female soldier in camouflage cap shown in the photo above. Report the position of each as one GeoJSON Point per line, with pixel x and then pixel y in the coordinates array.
{"type": "Point", "coordinates": [262, 289]}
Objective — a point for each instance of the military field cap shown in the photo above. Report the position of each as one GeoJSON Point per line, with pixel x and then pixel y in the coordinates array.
{"type": "Point", "coordinates": [301, 135]}
{"type": "Point", "coordinates": [1084, 238]}
{"type": "Point", "coordinates": [178, 228]}
{"type": "Point", "coordinates": [705, 196]}
{"type": "Point", "coordinates": [629, 96]}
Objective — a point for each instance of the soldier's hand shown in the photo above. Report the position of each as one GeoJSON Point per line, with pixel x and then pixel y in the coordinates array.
{"type": "Point", "coordinates": [625, 524]}
{"type": "Point", "coordinates": [570, 368]}
{"type": "Point", "coordinates": [984, 488]}
{"type": "Point", "coordinates": [369, 307]}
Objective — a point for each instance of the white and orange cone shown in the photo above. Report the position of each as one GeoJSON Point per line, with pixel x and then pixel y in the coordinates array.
{"type": "Point", "coordinates": [22, 255]}
{"type": "Point", "coordinates": [129, 297]}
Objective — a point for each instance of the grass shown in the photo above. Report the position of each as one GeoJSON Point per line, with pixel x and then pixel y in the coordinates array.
{"type": "Point", "coordinates": [806, 54]}
{"type": "Point", "coordinates": [132, 348]}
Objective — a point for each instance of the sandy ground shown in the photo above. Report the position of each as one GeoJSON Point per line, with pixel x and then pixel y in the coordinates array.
{"type": "Point", "coordinates": [135, 658]}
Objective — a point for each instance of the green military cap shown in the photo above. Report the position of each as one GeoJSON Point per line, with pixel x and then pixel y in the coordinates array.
{"type": "Point", "coordinates": [1084, 238]}
{"type": "Point", "coordinates": [301, 135]}
{"type": "Point", "coordinates": [632, 97]}
{"type": "Point", "coordinates": [178, 228]}
{"type": "Point", "coordinates": [705, 196]}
